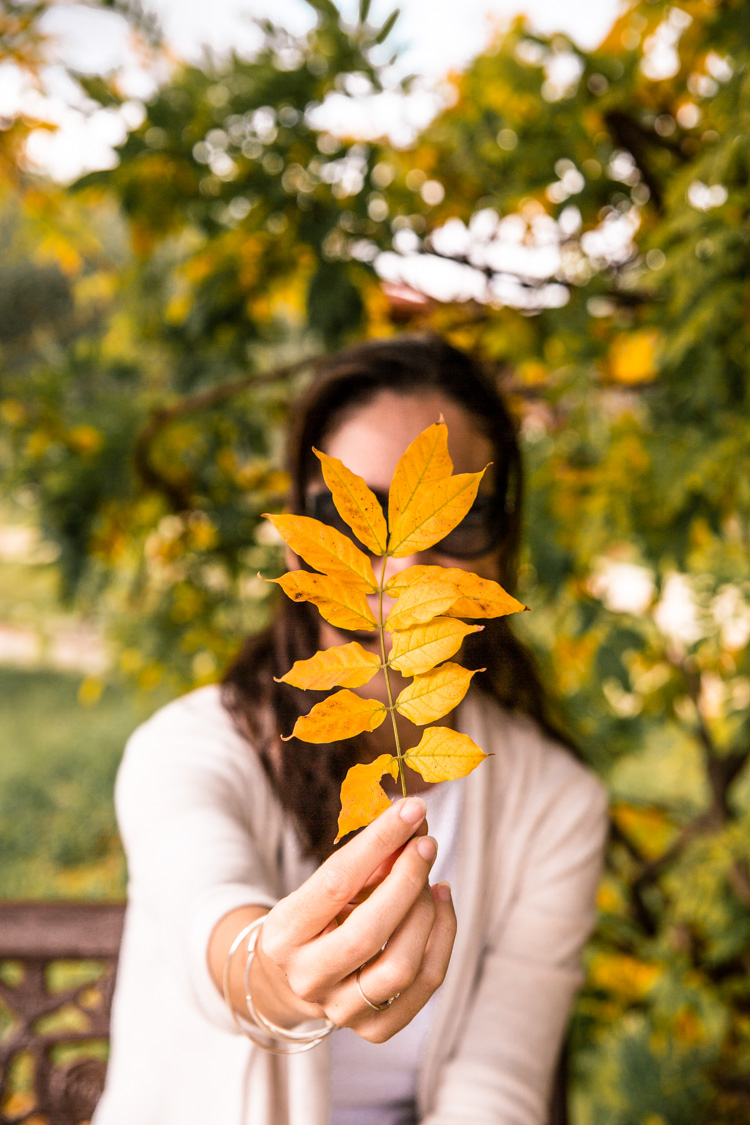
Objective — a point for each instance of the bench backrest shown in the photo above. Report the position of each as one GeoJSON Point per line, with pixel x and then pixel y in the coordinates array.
{"type": "Point", "coordinates": [57, 969]}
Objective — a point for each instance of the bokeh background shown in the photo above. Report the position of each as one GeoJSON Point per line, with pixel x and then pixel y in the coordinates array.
{"type": "Point", "coordinates": [190, 214]}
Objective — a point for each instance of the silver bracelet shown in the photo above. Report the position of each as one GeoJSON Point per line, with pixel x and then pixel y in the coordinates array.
{"type": "Point", "coordinates": [260, 1030]}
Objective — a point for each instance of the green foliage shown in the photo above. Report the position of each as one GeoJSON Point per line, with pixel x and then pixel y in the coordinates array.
{"type": "Point", "coordinates": [150, 308]}
{"type": "Point", "coordinates": [57, 824]}
{"type": "Point", "coordinates": [27, 48]}
{"type": "Point", "coordinates": [165, 313]}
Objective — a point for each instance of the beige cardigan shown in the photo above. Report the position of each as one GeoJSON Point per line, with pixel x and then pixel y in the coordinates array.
{"type": "Point", "coordinates": [204, 834]}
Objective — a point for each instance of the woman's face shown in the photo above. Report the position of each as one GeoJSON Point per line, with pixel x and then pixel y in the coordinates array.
{"type": "Point", "coordinates": [371, 439]}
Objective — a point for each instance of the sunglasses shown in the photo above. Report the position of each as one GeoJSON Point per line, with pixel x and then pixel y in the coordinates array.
{"type": "Point", "coordinates": [481, 530]}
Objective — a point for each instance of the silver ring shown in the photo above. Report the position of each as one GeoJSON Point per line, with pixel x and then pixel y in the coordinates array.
{"type": "Point", "coordinates": [376, 1007]}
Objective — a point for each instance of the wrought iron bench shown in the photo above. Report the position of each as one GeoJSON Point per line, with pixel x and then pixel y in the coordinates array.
{"type": "Point", "coordinates": [57, 968]}
{"type": "Point", "coordinates": [57, 971]}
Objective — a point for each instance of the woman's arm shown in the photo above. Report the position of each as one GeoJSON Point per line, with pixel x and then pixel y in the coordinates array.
{"type": "Point", "coordinates": [203, 834]}
{"type": "Point", "coordinates": [313, 942]}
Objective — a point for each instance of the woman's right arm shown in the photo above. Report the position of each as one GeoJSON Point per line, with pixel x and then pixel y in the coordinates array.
{"type": "Point", "coordinates": [313, 943]}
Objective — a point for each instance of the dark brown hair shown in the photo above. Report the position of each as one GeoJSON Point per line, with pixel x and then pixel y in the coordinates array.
{"type": "Point", "coordinates": [306, 779]}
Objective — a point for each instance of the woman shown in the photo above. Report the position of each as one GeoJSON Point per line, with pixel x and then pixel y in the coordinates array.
{"type": "Point", "coordinates": [228, 834]}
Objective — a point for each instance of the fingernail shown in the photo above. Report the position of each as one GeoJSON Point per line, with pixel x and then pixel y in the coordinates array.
{"type": "Point", "coordinates": [427, 848]}
{"type": "Point", "coordinates": [443, 891]}
{"type": "Point", "coordinates": [413, 810]}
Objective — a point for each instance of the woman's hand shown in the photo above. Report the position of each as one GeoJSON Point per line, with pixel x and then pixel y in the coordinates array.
{"type": "Point", "coordinates": [313, 944]}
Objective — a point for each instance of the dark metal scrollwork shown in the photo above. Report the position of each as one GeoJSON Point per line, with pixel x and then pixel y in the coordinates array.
{"type": "Point", "coordinates": [57, 969]}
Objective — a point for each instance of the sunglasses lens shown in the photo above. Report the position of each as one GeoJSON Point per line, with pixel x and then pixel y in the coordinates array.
{"type": "Point", "coordinates": [479, 532]}
{"type": "Point", "coordinates": [321, 507]}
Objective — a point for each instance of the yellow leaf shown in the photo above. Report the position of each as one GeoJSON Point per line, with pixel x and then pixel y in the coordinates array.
{"type": "Point", "coordinates": [342, 715]}
{"type": "Point", "coordinates": [434, 693]}
{"type": "Point", "coordinates": [651, 829]}
{"type": "Point", "coordinates": [401, 581]}
{"type": "Point", "coordinates": [341, 604]}
{"type": "Point", "coordinates": [423, 646]}
{"type": "Point", "coordinates": [477, 597]}
{"type": "Point", "coordinates": [426, 460]}
{"type": "Point", "coordinates": [632, 358]}
{"type": "Point", "coordinates": [624, 974]}
{"type": "Point", "coordinates": [86, 439]}
{"type": "Point", "coordinates": [326, 549]}
{"type": "Point", "coordinates": [362, 797]}
{"type": "Point", "coordinates": [347, 666]}
{"type": "Point", "coordinates": [420, 603]}
{"type": "Point", "coordinates": [440, 506]}
{"type": "Point", "coordinates": [444, 754]}
{"type": "Point", "coordinates": [480, 597]}
{"type": "Point", "coordinates": [356, 503]}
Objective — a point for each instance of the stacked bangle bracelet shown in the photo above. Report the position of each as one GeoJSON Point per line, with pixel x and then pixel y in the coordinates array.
{"type": "Point", "coordinates": [259, 1029]}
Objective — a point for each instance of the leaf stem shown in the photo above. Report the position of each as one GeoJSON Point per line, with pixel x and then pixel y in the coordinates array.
{"type": "Point", "coordinates": [391, 707]}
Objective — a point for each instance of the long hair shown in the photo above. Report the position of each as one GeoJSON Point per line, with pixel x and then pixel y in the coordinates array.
{"type": "Point", "coordinates": [307, 780]}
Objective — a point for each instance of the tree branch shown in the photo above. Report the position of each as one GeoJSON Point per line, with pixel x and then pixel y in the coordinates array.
{"type": "Point", "coordinates": [636, 139]}
{"type": "Point", "coordinates": [721, 769]}
{"type": "Point", "coordinates": [177, 495]}
{"type": "Point", "coordinates": [644, 916]}
{"type": "Point", "coordinates": [739, 877]}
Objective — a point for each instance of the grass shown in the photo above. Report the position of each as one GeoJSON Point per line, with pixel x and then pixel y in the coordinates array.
{"type": "Point", "coordinates": [58, 760]}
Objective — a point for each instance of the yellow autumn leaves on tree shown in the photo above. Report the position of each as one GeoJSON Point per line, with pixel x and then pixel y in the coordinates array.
{"type": "Point", "coordinates": [426, 501]}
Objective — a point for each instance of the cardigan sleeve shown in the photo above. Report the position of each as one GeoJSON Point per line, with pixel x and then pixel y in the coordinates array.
{"type": "Point", "coordinates": [501, 1069]}
{"type": "Point", "coordinates": [197, 824]}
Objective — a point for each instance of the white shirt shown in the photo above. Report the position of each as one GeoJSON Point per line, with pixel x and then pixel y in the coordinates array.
{"type": "Point", "coordinates": [376, 1083]}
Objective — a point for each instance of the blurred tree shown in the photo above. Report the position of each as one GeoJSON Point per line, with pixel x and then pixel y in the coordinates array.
{"type": "Point", "coordinates": [27, 55]}
{"type": "Point", "coordinates": [198, 279]}
{"type": "Point", "coordinates": [582, 221]}
{"type": "Point", "coordinates": [21, 48]}
{"type": "Point", "coordinates": [598, 204]}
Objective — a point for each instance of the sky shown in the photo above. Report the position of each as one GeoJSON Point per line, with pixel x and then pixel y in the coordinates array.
{"type": "Point", "coordinates": [436, 35]}
{"type": "Point", "coordinates": [433, 37]}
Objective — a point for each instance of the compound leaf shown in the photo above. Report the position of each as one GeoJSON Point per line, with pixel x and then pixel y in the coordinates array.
{"type": "Point", "coordinates": [443, 754]}
{"type": "Point", "coordinates": [342, 715]}
{"type": "Point", "coordinates": [440, 506]}
{"type": "Point", "coordinates": [420, 648]}
{"type": "Point", "coordinates": [425, 503]}
{"type": "Point", "coordinates": [346, 666]}
{"type": "Point", "coordinates": [362, 796]}
{"type": "Point", "coordinates": [326, 549]}
{"type": "Point", "coordinates": [426, 460]}
{"type": "Point", "coordinates": [356, 503]}
{"type": "Point", "coordinates": [341, 604]}
{"type": "Point", "coordinates": [434, 694]}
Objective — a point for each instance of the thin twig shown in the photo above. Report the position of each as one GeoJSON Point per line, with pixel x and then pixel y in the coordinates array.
{"type": "Point", "coordinates": [163, 416]}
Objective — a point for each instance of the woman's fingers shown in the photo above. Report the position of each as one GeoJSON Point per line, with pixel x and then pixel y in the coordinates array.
{"type": "Point", "coordinates": [319, 959]}
{"type": "Point", "coordinates": [394, 969]}
{"type": "Point", "coordinates": [439, 946]}
{"type": "Point", "coordinates": [303, 914]}
{"type": "Point", "coordinates": [382, 871]}
{"type": "Point", "coordinates": [376, 1027]}
{"type": "Point", "coordinates": [371, 924]}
